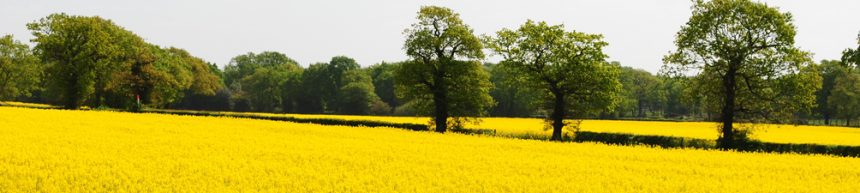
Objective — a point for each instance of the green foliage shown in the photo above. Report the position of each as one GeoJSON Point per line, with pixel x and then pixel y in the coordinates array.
{"type": "Point", "coordinates": [263, 82]}
{"type": "Point", "coordinates": [443, 70]}
{"type": "Point", "coordinates": [513, 99]}
{"type": "Point", "coordinates": [246, 64]}
{"type": "Point", "coordinates": [569, 68]}
{"type": "Point", "coordinates": [323, 82]}
{"type": "Point", "coordinates": [82, 51]}
{"type": "Point", "coordinates": [382, 75]}
{"type": "Point", "coordinates": [357, 97]}
{"type": "Point", "coordinates": [20, 70]}
{"type": "Point", "coordinates": [273, 87]}
{"type": "Point", "coordinates": [829, 70]}
{"type": "Point", "coordinates": [467, 87]}
{"type": "Point", "coordinates": [845, 96]}
{"type": "Point", "coordinates": [851, 57]}
{"type": "Point", "coordinates": [748, 67]}
{"type": "Point", "coordinates": [679, 103]}
{"type": "Point", "coordinates": [641, 91]}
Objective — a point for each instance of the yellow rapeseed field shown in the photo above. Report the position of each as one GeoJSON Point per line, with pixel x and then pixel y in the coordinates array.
{"type": "Point", "coordinates": [826, 135]}
{"type": "Point", "coordinates": [100, 151]}
{"type": "Point", "coordinates": [23, 104]}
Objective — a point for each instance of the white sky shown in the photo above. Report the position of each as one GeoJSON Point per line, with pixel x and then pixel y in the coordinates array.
{"type": "Point", "coordinates": [639, 32]}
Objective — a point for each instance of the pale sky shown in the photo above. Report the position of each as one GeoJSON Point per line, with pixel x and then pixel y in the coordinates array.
{"type": "Point", "coordinates": [639, 32]}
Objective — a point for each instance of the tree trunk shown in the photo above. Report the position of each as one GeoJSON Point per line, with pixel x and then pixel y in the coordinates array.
{"type": "Point", "coordinates": [441, 103]}
{"type": "Point", "coordinates": [73, 93]}
{"type": "Point", "coordinates": [639, 107]}
{"type": "Point", "coordinates": [728, 112]}
{"type": "Point", "coordinates": [97, 101]}
{"type": "Point", "coordinates": [440, 100]}
{"type": "Point", "coordinates": [558, 116]}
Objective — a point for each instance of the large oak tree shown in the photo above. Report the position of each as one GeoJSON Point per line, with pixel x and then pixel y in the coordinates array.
{"type": "Point", "coordinates": [747, 64]}
{"type": "Point", "coordinates": [570, 68]}
{"type": "Point", "coordinates": [444, 69]}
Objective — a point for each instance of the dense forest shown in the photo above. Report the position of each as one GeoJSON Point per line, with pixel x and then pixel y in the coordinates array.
{"type": "Point", "coordinates": [91, 61]}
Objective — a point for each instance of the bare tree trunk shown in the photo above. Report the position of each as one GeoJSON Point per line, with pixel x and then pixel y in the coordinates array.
{"type": "Point", "coordinates": [440, 100]}
{"type": "Point", "coordinates": [728, 111]}
{"type": "Point", "coordinates": [72, 92]}
{"type": "Point", "coordinates": [441, 113]}
{"type": "Point", "coordinates": [558, 116]}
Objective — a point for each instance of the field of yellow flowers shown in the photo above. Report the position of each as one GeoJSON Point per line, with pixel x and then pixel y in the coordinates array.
{"type": "Point", "coordinates": [102, 151]}
{"type": "Point", "coordinates": [824, 135]}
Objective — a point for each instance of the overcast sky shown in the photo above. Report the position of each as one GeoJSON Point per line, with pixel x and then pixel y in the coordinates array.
{"type": "Point", "coordinates": [639, 32]}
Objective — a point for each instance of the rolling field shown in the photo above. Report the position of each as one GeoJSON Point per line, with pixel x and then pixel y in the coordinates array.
{"type": "Point", "coordinates": [101, 151]}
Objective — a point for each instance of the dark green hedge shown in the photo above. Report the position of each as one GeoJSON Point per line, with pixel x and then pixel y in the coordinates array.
{"type": "Point", "coordinates": [651, 140]}
{"type": "Point", "coordinates": [321, 121]}
{"type": "Point", "coordinates": [682, 142]}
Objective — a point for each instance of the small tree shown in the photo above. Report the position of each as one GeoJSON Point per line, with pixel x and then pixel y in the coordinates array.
{"type": "Point", "coordinates": [356, 97]}
{"type": "Point", "coordinates": [569, 67]}
{"type": "Point", "coordinates": [444, 70]}
{"type": "Point", "coordinates": [845, 96]}
{"type": "Point", "coordinates": [747, 64]}
{"type": "Point", "coordinates": [851, 57]}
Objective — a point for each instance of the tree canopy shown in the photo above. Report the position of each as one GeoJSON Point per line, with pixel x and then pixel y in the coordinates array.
{"type": "Point", "coordinates": [748, 66]}
{"type": "Point", "coordinates": [570, 68]}
{"type": "Point", "coordinates": [20, 70]}
{"type": "Point", "coordinates": [443, 70]}
{"type": "Point", "coordinates": [263, 82]}
{"type": "Point", "coordinates": [92, 59]}
{"type": "Point", "coordinates": [82, 52]}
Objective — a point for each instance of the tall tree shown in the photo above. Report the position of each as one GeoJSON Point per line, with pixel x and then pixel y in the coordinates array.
{"type": "Point", "coordinates": [845, 96]}
{"type": "Point", "coordinates": [323, 81]}
{"type": "Point", "coordinates": [444, 69]}
{"type": "Point", "coordinates": [252, 78]}
{"type": "Point", "coordinates": [851, 57]}
{"type": "Point", "coordinates": [20, 70]}
{"type": "Point", "coordinates": [569, 67]}
{"type": "Point", "coordinates": [845, 93]}
{"type": "Point", "coordinates": [82, 51]}
{"type": "Point", "coordinates": [676, 105]}
{"type": "Point", "coordinates": [829, 70]}
{"type": "Point", "coordinates": [383, 82]}
{"type": "Point", "coordinates": [744, 54]}
{"type": "Point", "coordinates": [642, 91]}
{"type": "Point", "coordinates": [246, 64]}
{"type": "Point", "coordinates": [269, 88]}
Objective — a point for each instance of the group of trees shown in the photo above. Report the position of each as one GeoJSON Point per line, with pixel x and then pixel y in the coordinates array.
{"type": "Point", "coordinates": [273, 82]}
{"type": "Point", "coordinates": [91, 61]}
{"type": "Point", "coordinates": [735, 62]}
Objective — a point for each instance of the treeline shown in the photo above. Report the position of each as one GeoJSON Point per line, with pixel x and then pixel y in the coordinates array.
{"type": "Point", "coordinates": [91, 61]}
{"type": "Point", "coordinates": [721, 71]}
